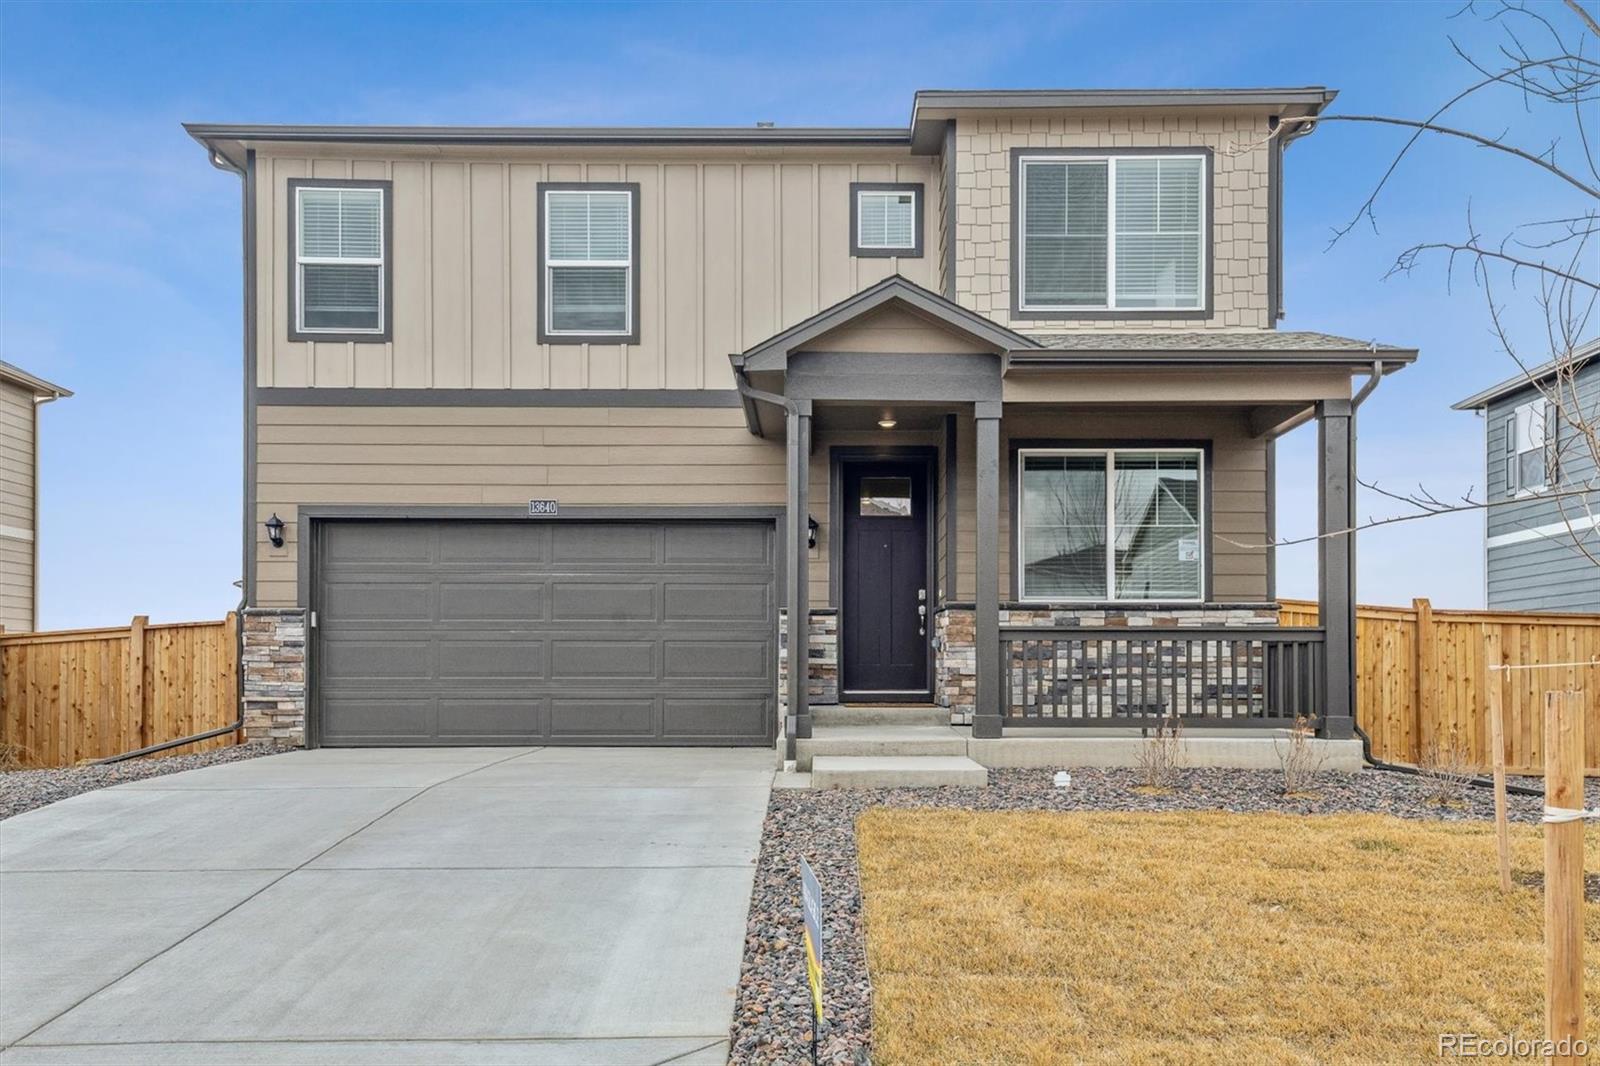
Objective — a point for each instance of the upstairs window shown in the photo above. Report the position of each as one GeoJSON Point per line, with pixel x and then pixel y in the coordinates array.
{"type": "Point", "coordinates": [590, 255]}
{"type": "Point", "coordinates": [340, 233]}
{"type": "Point", "coordinates": [1530, 447]}
{"type": "Point", "coordinates": [885, 219]}
{"type": "Point", "coordinates": [1112, 233]}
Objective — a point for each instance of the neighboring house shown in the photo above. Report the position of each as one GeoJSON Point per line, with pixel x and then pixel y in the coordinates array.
{"type": "Point", "coordinates": [571, 433]}
{"type": "Point", "coordinates": [21, 395]}
{"type": "Point", "coordinates": [1540, 549]}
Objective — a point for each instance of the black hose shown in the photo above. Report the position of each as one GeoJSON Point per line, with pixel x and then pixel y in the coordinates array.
{"type": "Point", "coordinates": [1398, 768]}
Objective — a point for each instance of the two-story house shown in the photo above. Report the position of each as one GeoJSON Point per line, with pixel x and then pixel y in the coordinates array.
{"type": "Point", "coordinates": [568, 435]}
{"type": "Point", "coordinates": [1540, 540]}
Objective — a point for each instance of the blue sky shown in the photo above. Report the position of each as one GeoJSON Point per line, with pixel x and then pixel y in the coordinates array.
{"type": "Point", "coordinates": [119, 245]}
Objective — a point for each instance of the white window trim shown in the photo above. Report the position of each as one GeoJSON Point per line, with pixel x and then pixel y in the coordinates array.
{"type": "Point", "coordinates": [915, 194]}
{"type": "Point", "coordinates": [301, 261]}
{"type": "Point", "coordinates": [1110, 454]}
{"type": "Point", "coordinates": [1513, 457]}
{"type": "Point", "coordinates": [550, 264]}
{"type": "Point", "coordinates": [1110, 159]}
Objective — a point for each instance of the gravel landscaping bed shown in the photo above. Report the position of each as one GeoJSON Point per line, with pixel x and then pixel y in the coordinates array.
{"type": "Point", "coordinates": [24, 790]}
{"type": "Point", "coordinates": [772, 1014]}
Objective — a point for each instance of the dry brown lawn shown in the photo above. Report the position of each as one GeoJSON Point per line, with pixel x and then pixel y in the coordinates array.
{"type": "Point", "coordinates": [1185, 938]}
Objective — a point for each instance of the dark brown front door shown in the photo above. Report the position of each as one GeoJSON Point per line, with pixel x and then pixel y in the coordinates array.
{"type": "Point", "coordinates": [883, 578]}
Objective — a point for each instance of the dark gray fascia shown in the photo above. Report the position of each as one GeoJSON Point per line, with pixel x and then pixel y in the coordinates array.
{"type": "Point", "coordinates": [1534, 376]}
{"type": "Point", "coordinates": [1357, 360]}
{"type": "Point", "coordinates": [916, 189]}
{"type": "Point", "coordinates": [364, 397]}
{"type": "Point", "coordinates": [207, 133]}
{"type": "Point", "coordinates": [1117, 314]}
{"type": "Point", "coordinates": [386, 188]}
{"type": "Point", "coordinates": [40, 388]}
{"type": "Point", "coordinates": [772, 353]}
{"type": "Point", "coordinates": [542, 291]}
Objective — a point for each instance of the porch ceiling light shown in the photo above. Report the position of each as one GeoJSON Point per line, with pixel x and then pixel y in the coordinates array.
{"type": "Point", "coordinates": [275, 530]}
{"type": "Point", "coordinates": [887, 421]}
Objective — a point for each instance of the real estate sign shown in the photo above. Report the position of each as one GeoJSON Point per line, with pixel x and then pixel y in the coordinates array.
{"type": "Point", "coordinates": [811, 906]}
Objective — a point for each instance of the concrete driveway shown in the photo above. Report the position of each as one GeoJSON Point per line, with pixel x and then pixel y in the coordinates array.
{"type": "Point", "coordinates": [549, 905]}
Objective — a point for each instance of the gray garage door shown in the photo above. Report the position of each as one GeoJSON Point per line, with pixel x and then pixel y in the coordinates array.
{"type": "Point", "coordinates": [555, 632]}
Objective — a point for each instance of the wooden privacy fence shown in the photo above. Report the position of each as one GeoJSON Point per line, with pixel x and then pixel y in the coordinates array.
{"type": "Point", "coordinates": [78, 694]}
{"type": "Point", "coordinates": [1421, 674]}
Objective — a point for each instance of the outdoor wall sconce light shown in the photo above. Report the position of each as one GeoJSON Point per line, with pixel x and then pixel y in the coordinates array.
{"type": "Point", "coordinates": [275, 530]}
{"type": "Point", "coordinates": [811, 531]}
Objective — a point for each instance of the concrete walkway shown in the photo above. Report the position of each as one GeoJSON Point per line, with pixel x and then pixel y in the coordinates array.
{"type": "Point", "coordinates": [393, 906]}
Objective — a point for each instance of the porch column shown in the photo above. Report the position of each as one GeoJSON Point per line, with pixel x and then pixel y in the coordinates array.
{"type": "Point", "coordinates": [1335, 565]}
{"type": "Point", "coordinates": [986, 612]}
{"type": "Point", "coordinates": [796, 533]}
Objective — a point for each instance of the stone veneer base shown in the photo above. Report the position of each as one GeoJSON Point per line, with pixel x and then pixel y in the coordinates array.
{"type": "Point", "coordinates": [822, 658]}
{"type": "Point", "coordinates": [273, 673]}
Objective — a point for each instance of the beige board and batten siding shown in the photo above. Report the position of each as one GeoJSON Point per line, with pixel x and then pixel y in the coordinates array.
{"type": "Point", "coordinates": [1239, 201]}
{"type": "Point", "coordinates": [18, 526]}
{"type": "Point", "coordinates": [440, 455]}
{"type": "Point", "coordinates": [732, 249]}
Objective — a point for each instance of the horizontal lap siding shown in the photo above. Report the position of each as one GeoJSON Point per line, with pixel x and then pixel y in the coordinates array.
{"type": "Point", "coordinates": [731, 252]}
{"type": "Point", "coordinates": [17, 427]}
{"type": "Point", "coordinates": [619, 456]}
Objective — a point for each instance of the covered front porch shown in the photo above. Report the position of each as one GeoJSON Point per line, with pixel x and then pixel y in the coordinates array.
{"type": "Point", "coordinates": [1033, 536]}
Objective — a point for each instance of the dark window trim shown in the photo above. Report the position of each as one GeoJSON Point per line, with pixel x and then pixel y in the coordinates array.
{"type": "Point", "coordinates": [1127, 314]}
{"type": "Point", "coordinates": [920, 197]}
{"type": "Point", "coordinates": [386, 190]}
{"type": "Point", "coordinates": [1207, 538]}
{"type": "Point", "coordinates": [544, 335]}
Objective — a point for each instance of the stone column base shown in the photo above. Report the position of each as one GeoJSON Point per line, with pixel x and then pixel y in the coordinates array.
{"type": "Point", "coordinates": [822, 657]}
{"type": "Point", "coordinates": [273, 675]}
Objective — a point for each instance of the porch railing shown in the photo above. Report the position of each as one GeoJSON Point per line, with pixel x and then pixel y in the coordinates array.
{"type": "Point", "coordinates": [1120, 677]}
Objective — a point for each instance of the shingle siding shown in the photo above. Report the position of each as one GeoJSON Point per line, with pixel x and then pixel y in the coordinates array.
{"type": "Point", "coordinates": [1548, 573]}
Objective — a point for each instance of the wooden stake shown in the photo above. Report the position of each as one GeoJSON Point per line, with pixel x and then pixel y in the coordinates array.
{"type": "Point", "coordinates": [1493, 686]}
{"type": "Point", "coordinates": [1563, 875]}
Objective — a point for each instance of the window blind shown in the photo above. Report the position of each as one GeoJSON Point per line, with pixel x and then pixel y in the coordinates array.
{"type": "Point", "coordinates": [886, 219]}
{"type": "Point", "coordinates": [1065, 243]}
{"type": "Point", "coordinates": [340, 260]}
{"type": "Point", "coordinates": [588, 259]}
{"type": "Point", "coordinates": [1158, 233]}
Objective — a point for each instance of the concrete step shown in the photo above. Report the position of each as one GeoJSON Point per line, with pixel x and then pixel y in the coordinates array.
{"type": "Point", "coordinates": [879, 741]}
{"type": "Point", "coordinates": [850, 715]}
{"type": "Point", "coordinates": [896, 771]}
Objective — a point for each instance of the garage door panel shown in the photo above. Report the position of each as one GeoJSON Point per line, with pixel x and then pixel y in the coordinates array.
{"type": "Point", "coordinates": [600, 632]}
{"type": "Point", "coordinates": [715, 659]}
{"type": "Point", "coordinates": [480, 601]}
{"type": "Point", "coordinates": [469, 543]}
{"type": "Point", "coordinates": [501, 719]}
{"type": "Point", "coordinates": [491, 660]}
{"type": "Point", "coordinates": [717, 545]}
{"type": "Point", "coordinates": [360, 600]}
{"type": "Point", "coordinates": [361, 718]}
{"type": "Point", "coordinates": [582, 601]}
{"type": "Point", "coordinates": [705, 718]}
{"type": "Point", "coordinates": [599, 659]}
{"type": "Point", "coordinates": [591, 543]}
{"type": "Point", "coordinates": [354, 659]}
{"type": "Point", "coordinates": [382, 542]}
{"type": "Point", "coordinates": [743, 601]}
{"type": "Point", "coordinates": [610, 717]}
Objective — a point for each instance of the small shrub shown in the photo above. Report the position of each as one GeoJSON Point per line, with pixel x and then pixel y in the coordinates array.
{"type": "Point", "coordinates": [13, 757]}
{"type": "Point", "coordinates": [1161, 755]}
{"type": "Point", "coordinates": [1447, 769]}
{"type": "Point", "coordinates": [1300, 759]}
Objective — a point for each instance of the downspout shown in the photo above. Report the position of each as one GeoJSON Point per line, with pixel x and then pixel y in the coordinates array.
{"type": "Point", "coordinates": [218, 160]}
{"type": "Point", "coordinates": [751, 396]}
{"type": "Point", "coordinates": [1356, 401]}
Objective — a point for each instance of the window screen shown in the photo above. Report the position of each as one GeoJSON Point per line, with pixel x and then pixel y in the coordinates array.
{"type": "Point", "coordinates": [339, 260]}
{"type": "Point", "coordinates": [1114, 525]}
{"type": "Point", "coordinates": [588, 262]}
{"type": "Point", "coordinates": [886, 219]}
{"type": "Point", "coordinates": [1125, 232]}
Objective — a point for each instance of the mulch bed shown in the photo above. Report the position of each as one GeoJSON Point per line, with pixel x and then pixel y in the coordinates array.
{"type": "Point", "coordinates": [25, 790]}
{"type": "Point", "coordinates": [772, 1014]}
